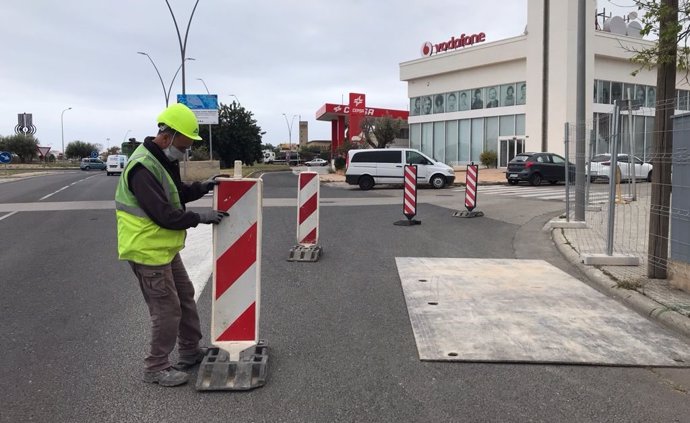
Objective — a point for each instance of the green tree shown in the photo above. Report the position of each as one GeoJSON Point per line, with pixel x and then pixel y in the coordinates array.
{"type": "Point", "coordinates": [237, 136]}
{"type": "Point", "coordinates": [669, 23]}
{"type": "Point", "coordinates": [79, 149]}
{"type": "Point", "coordinates": [23, 146]}
{"type": "Point", "coordinates": [379, 132]}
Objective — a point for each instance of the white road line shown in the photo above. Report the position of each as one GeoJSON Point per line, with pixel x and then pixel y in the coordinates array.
{"type": "Point", "coordinates": [8, 215]}
{"type": "Point", "coordinates": [63, 188]}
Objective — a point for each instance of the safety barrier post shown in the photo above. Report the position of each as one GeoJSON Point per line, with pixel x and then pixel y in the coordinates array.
{"type": "Point", "coordinates": [409, 197]}
{"type": "Point", "coordinates": [238, 360]}
{"type": "Point", "coordinates": [471, 177]}
{"type": "Point", "coordinates": [308, 195]}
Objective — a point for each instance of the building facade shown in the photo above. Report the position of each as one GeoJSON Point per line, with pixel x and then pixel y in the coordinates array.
{"type": "Point", "coordinates": [468, 96]}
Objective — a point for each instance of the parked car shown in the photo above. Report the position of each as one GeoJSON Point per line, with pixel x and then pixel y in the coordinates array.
{"type": "Point", "coordinates": [368, 167]}
{"type": "Point", "coordinates": [537, 167]}
{"type": "Point", "coordinates": [116, 164]}
{"type": "Point", "coordinates": [88, 164]}
{"type": "Point", "coordinates": [600, 168]}
{"type": "Point", "coordinates": [316, 162]}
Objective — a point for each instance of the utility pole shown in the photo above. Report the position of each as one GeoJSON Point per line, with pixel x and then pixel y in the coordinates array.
{"type": "Point", "coordinates": [660, 203]}
{"type": "Point", "coordinates": [580, 115]}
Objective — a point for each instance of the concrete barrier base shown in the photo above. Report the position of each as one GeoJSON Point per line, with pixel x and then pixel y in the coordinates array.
{"type": "Point", "coordinates": [613, 260]}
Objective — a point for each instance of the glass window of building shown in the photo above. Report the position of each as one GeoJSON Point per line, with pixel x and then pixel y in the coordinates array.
{"type": "Point", "coordinates": [651, 96]}
{"type": "Point", "coordinates": [451, 142]}
{"type": "Point", "coordinates": [508, 95]}
{"type": "Point", "coordinates": [521, 93]}
{"type": "Point", "coordinates": [491, 97]}
{"type": "Point", "coordinates": [519, 124]}
{"type": "Point", "coordinates": [603, 90]}
{"type": "Point", "coordinates": [640, 95]}
{"type": "Point", "coordinates": [491, 134]}
{"type": "Point", "coordinates": [477, 140]}
{"type": "Point", "coordinates": [439, 106]}
{"type": "Point", "coordinates": [416, 136]}
{"type": "Point", "coordinates": [506, 125]}
{"type": "Point", "coordinates": [452, 102]}
{"type": "Point", "coordinates": [416, 106]}
{"type": "Point", "coordinates": [426, 105]}
{"type": "Point", "coordinates": [628, 91]}
{"type": "Point", "coordinates": [465, 137]}
{"type": "Point", "coordinates": [427, 138]}
{"type": "Point", "coordinates": [616, 91]}
{"type": "Point", "coordinates": [477, 98]}
{"type": "Point", "coordinates": [464, 100]}
{"type": "Point", "coordinates": [439, 141]}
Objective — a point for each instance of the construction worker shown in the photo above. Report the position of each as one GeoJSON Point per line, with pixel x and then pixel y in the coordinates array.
{"type": "Point", "coordinates": [151, 230]}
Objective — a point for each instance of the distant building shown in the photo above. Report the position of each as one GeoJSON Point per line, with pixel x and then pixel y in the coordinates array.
{"type": "Point", "coordinates": [468, 96]}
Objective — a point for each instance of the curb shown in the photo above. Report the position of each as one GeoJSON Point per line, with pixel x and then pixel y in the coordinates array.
{"type": "Point", "coordinates": [637, 301]}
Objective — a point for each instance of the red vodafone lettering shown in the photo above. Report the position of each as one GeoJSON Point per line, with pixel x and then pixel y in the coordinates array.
{"type": "Point", "coordinates": [462, 41]}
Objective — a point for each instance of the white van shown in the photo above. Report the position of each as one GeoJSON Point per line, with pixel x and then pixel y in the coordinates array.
{"type": "Point", "coordinates": [115, 164]}
{"type": "Point", "coordinates": [369, 167]}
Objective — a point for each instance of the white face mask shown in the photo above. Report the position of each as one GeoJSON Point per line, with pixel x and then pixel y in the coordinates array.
{"type": "Point", "coordinates": [173, 153]}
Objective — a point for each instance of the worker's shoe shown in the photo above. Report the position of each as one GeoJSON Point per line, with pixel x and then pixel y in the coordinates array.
{"type": "Point", "coordinates": [187, 362]}
{"type": "Point", "coordinates": [167, 377]}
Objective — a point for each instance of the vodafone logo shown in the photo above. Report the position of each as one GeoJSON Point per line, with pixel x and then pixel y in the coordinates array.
{"type": "Point", "coordinates": [427, 49]}
{"type": "Point", "coordinates": [462, 41]}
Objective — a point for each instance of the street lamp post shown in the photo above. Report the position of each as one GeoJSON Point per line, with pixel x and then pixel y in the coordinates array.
{"type": "Point", "coordinates": [289, 125]}
{"type": "Point", "coordinates": [183, 45]}
{"type": "Point", "coordinates": [62, 128]}
{"type": "Point", "coordinates": [238, 100]}
{"type": "Point", "coordinates": [210, 131]}
{"type": "Point", "coordinates": [166, 93]}
{"type": "Point", "coordinates": [126, 133]}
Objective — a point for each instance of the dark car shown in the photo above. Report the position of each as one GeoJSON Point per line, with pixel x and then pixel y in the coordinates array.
{"type": "Point", "coordinates": [537, 167]}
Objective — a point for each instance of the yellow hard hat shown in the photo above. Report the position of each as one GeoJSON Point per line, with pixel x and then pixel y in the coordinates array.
{"type": "Point", "coordinates": [180, 118]}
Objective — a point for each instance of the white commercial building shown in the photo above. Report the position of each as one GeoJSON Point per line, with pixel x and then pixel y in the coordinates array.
{"type": "Point", "coordinates": [468, 96]}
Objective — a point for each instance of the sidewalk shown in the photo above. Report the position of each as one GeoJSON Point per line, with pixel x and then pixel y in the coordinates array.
{"type": "Point", "coordinates": [655, 298]}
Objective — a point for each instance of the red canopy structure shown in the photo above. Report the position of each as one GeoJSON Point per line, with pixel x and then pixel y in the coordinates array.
{"type": "Point", "coordinates": [351, 115]}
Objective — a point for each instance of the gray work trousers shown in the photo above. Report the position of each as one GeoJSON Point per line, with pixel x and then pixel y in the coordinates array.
{"type": "Point", "coordinates": [169, 295]}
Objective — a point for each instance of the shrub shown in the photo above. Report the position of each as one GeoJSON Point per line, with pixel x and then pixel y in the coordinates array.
{"type": "Point", "coordinates": [339, 163]}
{"type": "Point", "coordinates": [489, 158]}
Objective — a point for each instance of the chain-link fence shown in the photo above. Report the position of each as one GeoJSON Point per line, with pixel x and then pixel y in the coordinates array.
{"type": "Point", "coordinates": [618, 200]}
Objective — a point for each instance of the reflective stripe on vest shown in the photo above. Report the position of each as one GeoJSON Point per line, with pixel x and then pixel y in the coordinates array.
{"type": "Point", "coordinates": [139, 238]}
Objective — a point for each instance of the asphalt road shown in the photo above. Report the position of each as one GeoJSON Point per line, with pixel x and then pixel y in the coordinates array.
{"type": "Point", "coordinates": [75, 328]}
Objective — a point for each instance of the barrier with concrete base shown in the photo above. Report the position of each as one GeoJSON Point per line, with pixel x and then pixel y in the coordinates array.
{"type": "Point", "coordinates": [236, 291]}
{"type": "Point", "coordinates": [409, 197]}
{"type": "Point", "coordinates": [308, 196]}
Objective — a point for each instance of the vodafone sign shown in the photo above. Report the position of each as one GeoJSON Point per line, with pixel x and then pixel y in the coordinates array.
{"type": "Point", "coordinates": [462, 41]}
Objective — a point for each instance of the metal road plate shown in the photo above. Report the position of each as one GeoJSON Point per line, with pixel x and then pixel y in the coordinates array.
{"type": "Point", "coordinates": [503, 310]}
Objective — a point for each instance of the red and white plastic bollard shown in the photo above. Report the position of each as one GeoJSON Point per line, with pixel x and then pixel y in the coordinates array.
{"type": "Point", "coordinates": [409, 197]}
{"type": "Point", "coordinates": [471, 178]}
{"type": "Point", "coordinates": [308, 196]}
{"type": "Point", "coordinates": [238, 360]}
{"type": "Point", "coordinates": [237, 266]}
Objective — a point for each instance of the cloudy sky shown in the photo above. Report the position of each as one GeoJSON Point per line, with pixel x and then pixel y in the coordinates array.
{"type": "Point", "coordinates": [276, 57]}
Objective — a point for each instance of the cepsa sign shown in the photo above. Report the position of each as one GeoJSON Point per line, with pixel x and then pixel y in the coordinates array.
{"type": "Point", "coordinates": [462, 41]}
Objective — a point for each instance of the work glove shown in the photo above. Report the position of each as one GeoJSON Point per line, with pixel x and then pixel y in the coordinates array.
{"type": "Point", "coordinates": [211, 182]}
{"type": "Point", "coordinates": [211, 216]}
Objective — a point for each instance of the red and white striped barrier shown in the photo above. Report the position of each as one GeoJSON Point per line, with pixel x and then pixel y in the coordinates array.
{"type": "Point", "coordinates": [237, 265]}
{"type": "Point", "coordinates": [308, 195]}
{"type": "Point", "coordinates": [409, 197]}
{"type": "Point", "coordinates": [471, 177]}
{"type": "Point", "coordinates": [471, 186]}
{"type": "Point", "coordinates": [308, 209]}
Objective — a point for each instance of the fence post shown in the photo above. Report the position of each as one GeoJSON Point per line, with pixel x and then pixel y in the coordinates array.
{"type": "Point", "coordinates": [567, 172]}
{"type": "Point", "coordinates": [613, 149]}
